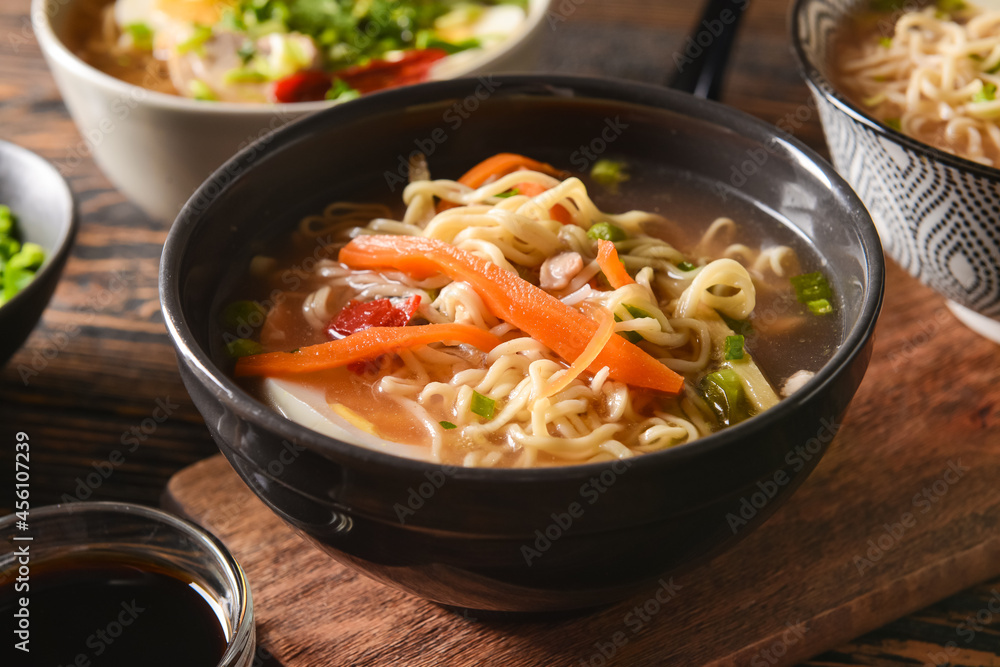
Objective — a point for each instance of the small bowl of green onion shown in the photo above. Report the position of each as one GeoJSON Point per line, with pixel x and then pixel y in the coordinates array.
{"type": "Point", "coordinates": [37, 227]}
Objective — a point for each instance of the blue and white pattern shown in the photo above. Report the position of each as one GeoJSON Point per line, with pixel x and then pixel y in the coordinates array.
{"type": "Point", "coordinates": [938, 215]}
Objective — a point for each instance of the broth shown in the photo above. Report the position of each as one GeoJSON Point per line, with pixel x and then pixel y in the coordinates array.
{"type": "Point", "coordinates": [87, 35]}
{"type": "Point", "coordinates": [781, 334]}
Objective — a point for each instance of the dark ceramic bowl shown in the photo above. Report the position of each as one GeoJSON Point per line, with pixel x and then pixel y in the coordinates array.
{"type": "Point", "coordinates": [43, 203]}
{"type": "Point", "coordinates": [520, 540]}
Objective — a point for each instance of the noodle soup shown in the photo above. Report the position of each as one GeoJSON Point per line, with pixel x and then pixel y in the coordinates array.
{"type": "Point", "coordinates": [507, 319]}
{"type": "Point", "coordinates": [929, 70]}
{"type": "Point", "coordinates": [286, 50]}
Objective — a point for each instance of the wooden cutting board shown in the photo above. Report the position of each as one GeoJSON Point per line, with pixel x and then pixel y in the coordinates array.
{"type": "Point", "coordinates": [904, 510]}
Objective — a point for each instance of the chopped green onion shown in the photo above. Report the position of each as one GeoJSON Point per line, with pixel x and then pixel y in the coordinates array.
{"type": "Point", "coordinates": [327, 37]}
{"type": "Point", "coordinates": [894, 123]}
{"type": "Point", "coordinates": [811, 286]}
{"type": "Point", "coordinates": [247, 51]}
{"type": "Point", "coordinates": [141, 34]}
{"type": "Point", "coordinates": [241, 313]}
{"type": "Point", "coordinates": [637, 313]}
{"type": "Point", "coordinates": [243, 347]}
{"type": "Point", "coordinates": [686, 266]}
{"type": "Point", "coordinates": [196, 42]}
{"type": "Point", "coordinates": [949, 6]}
{"type": "Point", "coordinates": [201, 91]}
{"type": "Point", "coordinates": [427, 39]}
{"type": "Point", "coordinates": [244, 75]}
{"type": "Point", "coordinates": [609, 172]}
{"type": "Point", "coordinates": [447, 425]}
{"type": "Point", "coordinates": [6, 220]}
{"type": "Point", "coordinates": [875, 100]}
{"type": "Point", "coordinates": [813, 290]}
{"type": "Point", "coordinates": [605, 231]}
{"type": "Point", "coordinates": [987, 93]}
{"type": "Point", "coordinates": [15, 279]}
{"type": "Point", "coordinates": [733, 347]}
{"type": "Point", "coordinates": [30, 257]}
{"type": "Point", "coordinates": [630, 336]}
{"type": "Point", "coordinates": [341, 91]}
{"type": "Point", "coordinates": [820, 307]}
{"type": "Point", "coordinates": [8, 248]}
{"type": "Point", "coordinates": [20, 268]}
{"type": "Point", "coordinates": [724, 393]}
{"type": "Point", "coordinates": [18, 261]}
{"type": "Point", "coordinates": [741, 327]}
{"type": "Point", "coordinates": [484, 406]}
{"type": "Point", "coordinates": [509, 193]}
{"type": "Point", "coordinates": [885, 41]}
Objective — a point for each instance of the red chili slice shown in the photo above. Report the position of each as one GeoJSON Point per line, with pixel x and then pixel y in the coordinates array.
{"type": "Point", "coordinates": [306, 86]}
{"type": "Point", "coordinates": [357, 316]}
{"type": "Point", "coordinates": [312, 85]}
{"type": "Point", "coordinates": [412, 67]}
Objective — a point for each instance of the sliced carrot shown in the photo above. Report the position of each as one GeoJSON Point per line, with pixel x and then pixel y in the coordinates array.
{"type": "Point", "coordinates": [531, 189]}
{"type": "Point", "coordinates": [502, 164]}
{"type": "Point", "coordinates": [611, 266]}
{"type": "Point", "coordinates": [365, 344]}
{"type": "Point", "coordinates": [557, 212]}
{"type": "Point", "coordinates": [605, 330]}
{"type": "Point", "coordinates": [499, 165]}
{"type": "Point", "coordinates": [545, 318]}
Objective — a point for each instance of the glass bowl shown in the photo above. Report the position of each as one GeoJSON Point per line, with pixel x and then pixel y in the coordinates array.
{"type": "Point", "coordinates": [117, 533]}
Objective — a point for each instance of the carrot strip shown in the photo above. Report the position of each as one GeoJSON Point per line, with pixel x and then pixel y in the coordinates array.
{"type": "Point", "coordinates": [557, 212]}
{"type": "Point", "coordinates": [605, 330]}
{"type": "Point", "coordinates": [545, 318]}
{"type": "Point", "coordinates": [607, 259]}
{"type": "Point", "coordinates": [531, 189]}
{"type": "Point", "coordinates": [499, 165]}
{"type": "Point", "coordinates": [360, 346]}
{"type": "Point", "coordinates": [502, 164]}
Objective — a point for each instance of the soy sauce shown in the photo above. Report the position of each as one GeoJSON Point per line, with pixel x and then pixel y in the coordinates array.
{"type": "Point", "coordinates": [96, 612]}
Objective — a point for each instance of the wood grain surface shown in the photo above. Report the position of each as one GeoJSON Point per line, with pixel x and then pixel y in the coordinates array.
{"type": "Point", "coordinates": [98, 375]}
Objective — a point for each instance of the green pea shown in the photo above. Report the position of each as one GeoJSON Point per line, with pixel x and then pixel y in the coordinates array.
{"type": "Point", "coordinates": [605, 231]}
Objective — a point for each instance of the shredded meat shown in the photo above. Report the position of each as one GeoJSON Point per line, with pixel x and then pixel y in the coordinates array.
{"type": "Point", "coordinates": [795, 382]}
{"type": "Point", "coordinates": [559, 270]}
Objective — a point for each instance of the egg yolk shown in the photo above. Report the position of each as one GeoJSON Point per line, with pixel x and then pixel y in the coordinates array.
{"type": "Point", "coordinates": [204, 12]}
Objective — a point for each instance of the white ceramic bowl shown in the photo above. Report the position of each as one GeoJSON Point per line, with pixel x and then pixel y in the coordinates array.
{"type": "Point", "coordinates": [158, 148]}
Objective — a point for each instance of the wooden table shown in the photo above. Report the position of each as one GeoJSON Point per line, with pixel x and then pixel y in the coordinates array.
{"type": "Point", "coordinates": [106, 376]}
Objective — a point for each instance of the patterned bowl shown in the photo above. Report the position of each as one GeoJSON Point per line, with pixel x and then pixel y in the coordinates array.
{"type": "Point", "coordinates": [938, 214]}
